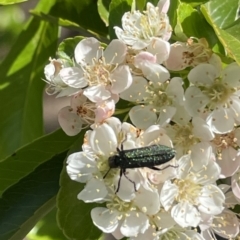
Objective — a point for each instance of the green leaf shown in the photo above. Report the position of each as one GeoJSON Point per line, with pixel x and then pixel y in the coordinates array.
{"type": "Point", "coordinates": [57, 21]}
{"type": "Point", "coordinates": [66, 24]}
{"type": "Point", "coordinates": [84, 13]}
{"type": "Point", "coordinates": [25, 160]}
{"type": "Point", "coordinates": [73, 214]}
{"type": "Point", "coordinates": [234, 30]}
{"type": "Point", "coordinates": [21, 85]}
{"type": "Point", "coordinates": [66, 48]}
{"type": "Point", "coordinates": [223, 12]}
{"type": "Point", "coordinates": [141, 4]}
{"type": "Point", "coordinates": [172, 13]}
{"type": "Point", "coordinates": [25, 203]}
{"type": "Point", "coordinates": [103, 6]}
{"type": "Point", "coordinates": [188, 22]}
{"type": "Point", "coordinates": [8, 2]}
{"type": "Point", "coordinates": [230, 40]}
{"type": "Point", "coordinates": [116, 10]}
{"type": "Point", "coordinates": [195, 3]}
{"type": "Point", "coordinates": [47, 229]}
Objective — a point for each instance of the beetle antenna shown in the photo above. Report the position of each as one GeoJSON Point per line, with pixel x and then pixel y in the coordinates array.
{"type": "Point", "coordinates": [125, 139]}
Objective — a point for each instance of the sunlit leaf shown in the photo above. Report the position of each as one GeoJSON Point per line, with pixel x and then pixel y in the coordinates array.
{"type": "Point", "coordinates": [47, 229]}
{"type": "Point", "coordinates": [230, 40]}
{"type": "Point", "coordinates": [21, 85]}
{"type": "Point", "coordinates": [8, 2]}
{"type": "Point", "coordinates": [103, 6]}
{"type": "Point", "coordinates": [188, 22]}
{"type": "Point", "coordinates": [222, 12]}
{"type": "Point", "coordinates": [195, 3]}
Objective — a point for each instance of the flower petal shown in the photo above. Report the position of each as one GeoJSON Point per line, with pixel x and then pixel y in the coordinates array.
{"type": "Point", "coordinates": [154, 135]}
{"type": "Point", "coordinates": [105, 219]}
{"type": "Point", "coordinates": [235, 183]}
{"type": "Point", "coordinates": [201, 129]}
{"type": "Point", "coordinates": [94, 191]}
{"type": "Point", "coordinates": [97, 93]}
{"type": "Point", "coordinates": [86, 50]}
{"type": "Point", "coordinates": [208, 174]}
{"type": "Point", "coordinates": [115, 53]}
{"type": "Point", "coordinates": [155, 73]}
{"type": "Point", "coordinates": [186, 215]}
{"type": "Point", "coordinates": [229, 162]}
{"type": "Point", "coordinates": [231, 75]}
{"type": "Point", "coordinates": [175, 90]}
{"type": "Point", "coordinates": [73, 77]}
{"type": "Point", "coordinates": [160, 48]}
{"type": "Point", "coordinates": [201, 154]}
{"type": "Point", "coordinates": [122, 79]}
{"type": "Point", "coordinates": [142, 116]}
{"type": "Point", "coordinates": [103, 140]}
{"type": "Point", "coordinates": [165, 115]}
{"type": "Point", "coordinates": [69, 121]}
{"type": "Point", "coordinates": [80, 166]}
{"type": "Point", "coordinates": [226, 225]}
{"type": "Point", "coordinates": [203, 74]}
{"type": "Point", "coordinates": [168, 193]}
{"type": "Point", "coordinates": [143, 203]}
{"type": "Point", "coordinates": [136, 91]}
{"type": "Point", "coordinates": [134, 223]}
{"type": "Point", "coordinates": [195, 101]}
{"type": "Point", "coordinates": [221, 120]}
{"type": "Point", "coordinates": [211, 200]}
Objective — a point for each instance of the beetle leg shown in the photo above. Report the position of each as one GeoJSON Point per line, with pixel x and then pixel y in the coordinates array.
{"type": "Point", "coordinates": [130, 180]}
{"type": "Point", "coordinates": [119, 180]}
{"type": "Point", "coordinates": [106, 173]}
{"type": "Point", "coordinates": [160, 169]}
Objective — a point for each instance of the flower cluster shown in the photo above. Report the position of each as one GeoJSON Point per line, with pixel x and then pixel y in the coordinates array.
{"type": "Point", "coordinates": [200, 120]}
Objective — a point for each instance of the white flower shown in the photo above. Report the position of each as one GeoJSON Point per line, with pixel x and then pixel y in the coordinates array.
{"type": "Point", "coordinates": [129, 221]}
{"type": "Point", "coordinates": [99, 72]}
{"type": "Point", "coordinates": [192, 193]}
{"type": "Point", "coordinates": [192, 137]}
{"type": "Point", "coordinates": [173, 232]}
{"type": "Point", "coordinates": [140, 28]}
{"type": "Point", "coordinates": [101, 69]}
{"type": "Point", "coordinates": [160, 98]}
{"type": "Point", "coordinates": [56, 83]}
{"type": "Point", "coordinates": [235, 183]}
{"type": "Point", "coordinates": [225, 225]}
{"type": "Point", "coordinates": [190, 53]}
{"type": "Point", "coordinates": [127, 218]}
{"type": "Point", "coordinates": [83, 113]}
{"type": "Point", "coordinates": [156, 52]}
{"type": "Point", "coordinates": [215, 93]}
{"type": "Point", "coordinates": [226, 149]}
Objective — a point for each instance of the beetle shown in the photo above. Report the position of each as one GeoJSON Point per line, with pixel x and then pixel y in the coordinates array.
{"type": "Point", "coordinates": [148, 156]}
